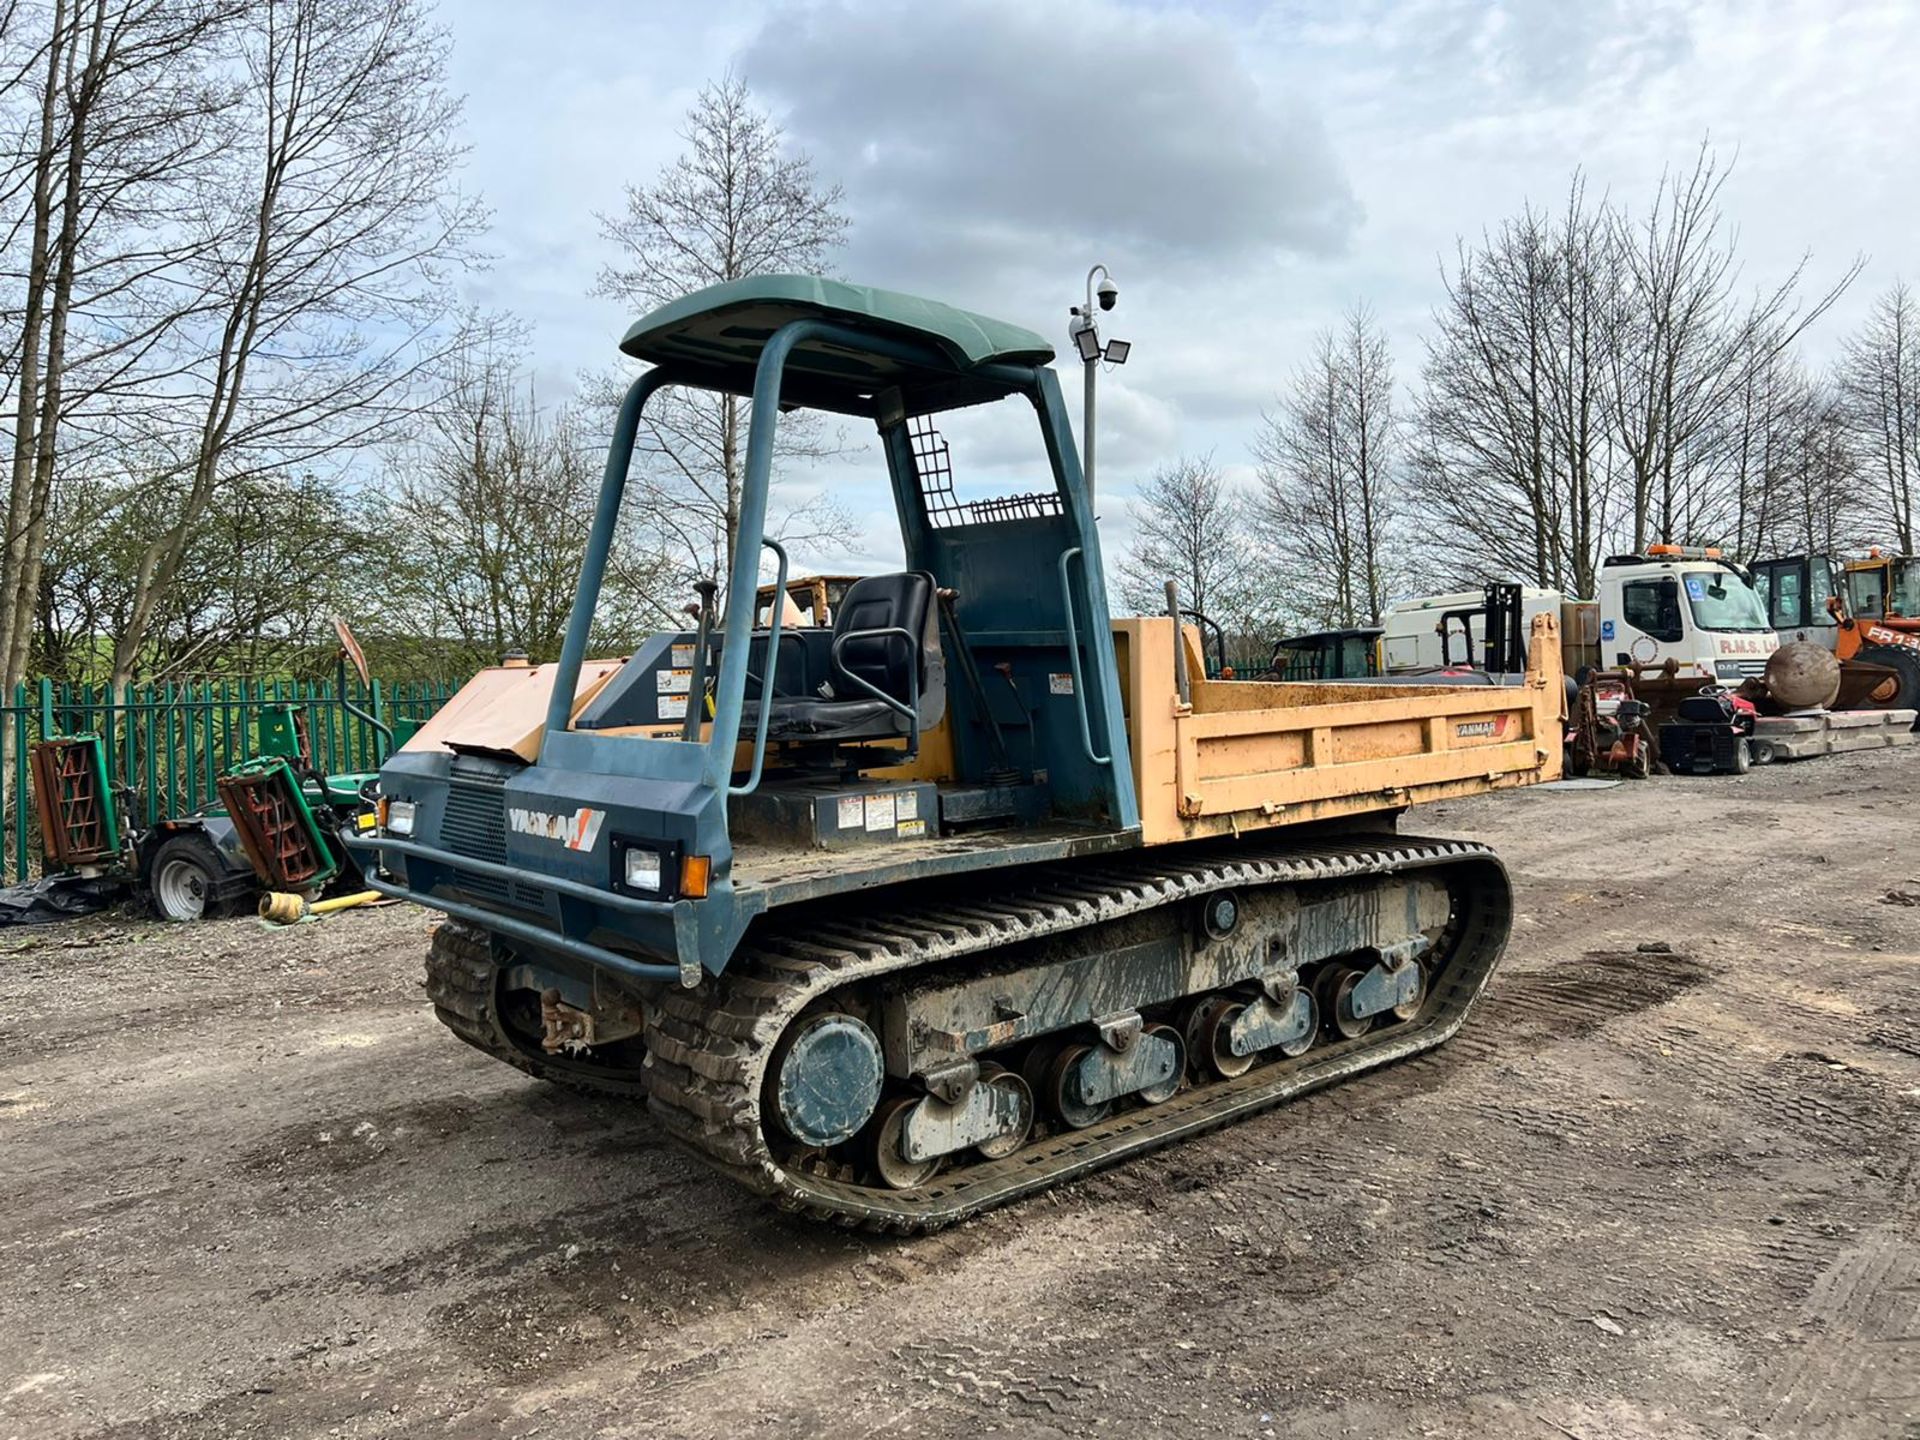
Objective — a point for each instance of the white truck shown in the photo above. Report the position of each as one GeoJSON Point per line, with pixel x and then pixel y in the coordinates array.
{"type": "Point", "coordinates": [1671, 602]}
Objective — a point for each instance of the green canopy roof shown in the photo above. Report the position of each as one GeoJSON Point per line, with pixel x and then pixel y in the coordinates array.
{"type": "Point", "coordinates": [720, 331]}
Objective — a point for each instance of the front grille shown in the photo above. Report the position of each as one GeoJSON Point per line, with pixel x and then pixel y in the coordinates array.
{"type": "Point", "coordinates": [475, 825]}
{"type": "Point", "coordinates": [529, 897]}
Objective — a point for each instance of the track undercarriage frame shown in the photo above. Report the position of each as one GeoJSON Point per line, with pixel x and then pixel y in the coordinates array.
{"type": "Point", "coordinates": [853, 1068]}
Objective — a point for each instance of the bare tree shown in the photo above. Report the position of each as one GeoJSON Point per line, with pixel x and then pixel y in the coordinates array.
{"type": "Point", "coordinates": [1687, 347]}
{"type": "Point", "coordinates": [1190, 526]}
{"type": "Point", "coordinates": [1599, 382]}
{"type": "Point", "coordinates": [1879, 378]}
{"type": "Point", "coordinates": [119, 129]}
{"type": "Point", "coordinates": [1329, 501]}
{"type": "Point", "coordinates": [326, 248]}
{"type": "Point", "coordinates": [491, 509]}
{"type": "Point", "coordinates": [1816, 492]}
{"type": "Point", "coordinates": [1512, 471]}
{"type": "Point", "coordinates": [1796, 482]}
{"type": "Point", "coordinates": [737, 203]}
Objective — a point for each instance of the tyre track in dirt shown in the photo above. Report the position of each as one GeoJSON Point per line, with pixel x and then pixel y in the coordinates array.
{"type": "Point", "coordinates": [1643, 1193]}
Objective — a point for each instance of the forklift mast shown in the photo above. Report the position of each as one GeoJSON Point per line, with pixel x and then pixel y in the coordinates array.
{"type": "Point", "coordinates": [1500, 611]}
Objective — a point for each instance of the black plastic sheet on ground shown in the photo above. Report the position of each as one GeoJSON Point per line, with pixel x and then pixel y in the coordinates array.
{"type": "Point", "coordinates": [58, 897]}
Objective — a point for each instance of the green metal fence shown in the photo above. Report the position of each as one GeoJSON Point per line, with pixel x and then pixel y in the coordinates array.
{"type": "Point", "coordinates": [168, 743]}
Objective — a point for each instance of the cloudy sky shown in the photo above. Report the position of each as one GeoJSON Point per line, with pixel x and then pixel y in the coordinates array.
{"type": "Point", "coordinates": [1247, 171]}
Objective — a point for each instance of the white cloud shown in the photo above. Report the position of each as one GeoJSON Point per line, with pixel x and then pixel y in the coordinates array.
{"type": "Point", "coordinates": [1248, 171]}
{"type": "Point", "coordinates": [991, 132]}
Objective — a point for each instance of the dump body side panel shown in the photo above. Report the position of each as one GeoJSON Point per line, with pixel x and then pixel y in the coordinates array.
{"type": "Point", "coordinates": [1254, 755]}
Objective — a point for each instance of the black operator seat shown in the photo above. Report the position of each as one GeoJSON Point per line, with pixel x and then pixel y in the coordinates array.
{"type": "Point", "coordinates": [885, 656]}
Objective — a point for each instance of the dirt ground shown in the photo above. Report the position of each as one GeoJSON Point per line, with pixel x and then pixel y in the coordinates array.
{"type": "Point", "coordinates": [1663, 1184]}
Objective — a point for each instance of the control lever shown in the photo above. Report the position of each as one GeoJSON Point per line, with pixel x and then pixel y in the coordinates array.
{"type": "Point", "coordinates": [697, 683]}
{"type": "Point", "coordinates": [1001, 770]}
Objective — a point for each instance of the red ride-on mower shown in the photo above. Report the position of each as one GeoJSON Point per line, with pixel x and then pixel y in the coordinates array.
{"type": "Point", "coordinates": [1609, 733]}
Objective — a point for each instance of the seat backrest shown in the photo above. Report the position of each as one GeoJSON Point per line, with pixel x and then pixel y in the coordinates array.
{"type": "Point", "coordinates": [881, 602]}
{"type": "Point", "coordinates": [803, 663]}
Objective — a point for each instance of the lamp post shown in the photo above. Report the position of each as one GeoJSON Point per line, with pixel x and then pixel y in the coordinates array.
{"type": "Point", "coordinates": [1084, 330]}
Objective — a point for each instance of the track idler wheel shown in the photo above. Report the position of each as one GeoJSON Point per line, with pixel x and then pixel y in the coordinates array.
{"type": "Point", "coordinates": [826, 1079]}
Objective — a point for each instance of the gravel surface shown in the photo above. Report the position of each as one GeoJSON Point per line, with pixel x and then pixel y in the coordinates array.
{"type": "Point", "coordinates": [1662, 1184]}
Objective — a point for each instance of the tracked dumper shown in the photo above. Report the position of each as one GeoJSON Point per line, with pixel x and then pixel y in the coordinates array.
{"type": "Point", "coordinates": [973, 889]}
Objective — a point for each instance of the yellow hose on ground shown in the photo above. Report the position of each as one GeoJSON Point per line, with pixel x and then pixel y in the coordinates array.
{"type": "Point", "coordinates": [281, 908]}
{"type": "Point", "coordinates": [284, 909]}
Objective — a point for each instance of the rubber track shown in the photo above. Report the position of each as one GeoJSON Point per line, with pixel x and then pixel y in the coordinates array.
{"type": "Point", "coordinates": [462, 980]}
{"type": "Point", "coordinates": [708, 1047]}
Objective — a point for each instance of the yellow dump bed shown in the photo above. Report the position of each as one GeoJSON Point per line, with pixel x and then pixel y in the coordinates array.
{"type": "Point", "coordinates": [1250, 754]}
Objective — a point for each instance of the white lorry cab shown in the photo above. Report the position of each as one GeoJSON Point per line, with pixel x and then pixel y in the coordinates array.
{"type": "Point", "coordinates": [1674, 603]}
{"type": "Point", "coordinates": [1686, 605]}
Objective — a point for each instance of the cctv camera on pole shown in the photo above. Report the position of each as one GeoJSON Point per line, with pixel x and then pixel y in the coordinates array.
{"type": "Point", "coordinates": [1084, 331]}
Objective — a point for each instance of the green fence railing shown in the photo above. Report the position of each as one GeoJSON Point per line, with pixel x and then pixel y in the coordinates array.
{"type": "Point", "coordinates": [167, 744]}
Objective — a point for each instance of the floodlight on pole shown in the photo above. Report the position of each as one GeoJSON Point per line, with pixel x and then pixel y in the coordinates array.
{"type": "Point", "coordinates": [1085, 332]}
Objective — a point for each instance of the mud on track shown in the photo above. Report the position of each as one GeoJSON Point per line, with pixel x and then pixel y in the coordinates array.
{"type": "Point", "coordinates": [248, 1187]}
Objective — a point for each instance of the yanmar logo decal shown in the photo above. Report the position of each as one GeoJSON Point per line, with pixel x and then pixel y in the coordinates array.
{"type": "Point", "coordinates": [1480, 729]}
{"type": "Point", "coordinates": [577, 831]}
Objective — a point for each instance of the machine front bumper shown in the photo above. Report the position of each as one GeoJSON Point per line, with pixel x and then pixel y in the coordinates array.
{"type": "Point", "coordinates": [677, 914]}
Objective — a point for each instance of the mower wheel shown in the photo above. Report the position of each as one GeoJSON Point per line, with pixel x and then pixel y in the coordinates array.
{"type": "Point", "coordinates": [182, 877]}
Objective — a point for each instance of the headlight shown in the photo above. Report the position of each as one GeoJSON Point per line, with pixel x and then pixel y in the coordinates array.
{"type": "Point", "coordinates": [400, 817]}
{"type": "Point", "coordinates": [643, 869]}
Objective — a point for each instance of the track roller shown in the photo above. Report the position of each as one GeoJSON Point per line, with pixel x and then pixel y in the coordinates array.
{"type": "Point", "coordinates": [889, 1158]}
{"type": "Point", "coordinates": [1011, 1084]}
{"type": "Point", "coordinates": [1353, 997]}
{"type": "Point", "coordinates": [1209, 1031]}
{"type": "Point", "coordinates": [1063, 1092]}
{"type": "Point", "coordinates": [1336, 1001]}
{"type": "Point", "coordinates": [1080, 1083]}
{"type": "Point", "coordinates": [1410, 1007]}
{"type": "Point", "coordinates": [1164, 1091]}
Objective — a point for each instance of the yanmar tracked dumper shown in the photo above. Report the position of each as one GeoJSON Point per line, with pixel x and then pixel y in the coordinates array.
{"type": "Point", "coordinates": [972, 890]}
